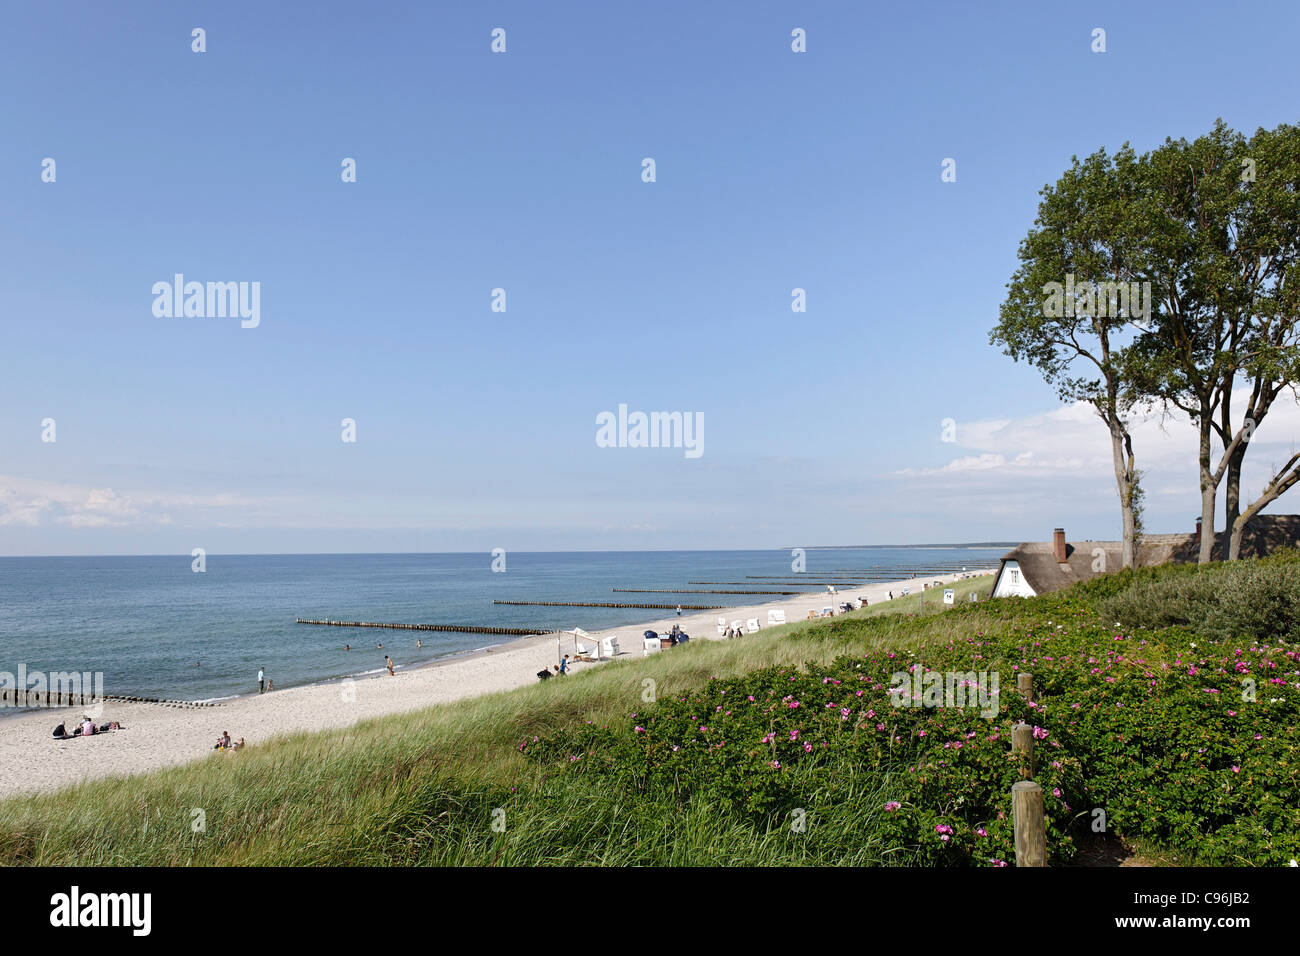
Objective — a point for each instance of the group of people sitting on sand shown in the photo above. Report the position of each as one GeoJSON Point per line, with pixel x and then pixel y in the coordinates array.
{"type": "Point", "coordinates": [674, 637]}
{"type": "Point", "coordinates": [86, 728]}
{"type": "Point", "coordinates": [223, 742]}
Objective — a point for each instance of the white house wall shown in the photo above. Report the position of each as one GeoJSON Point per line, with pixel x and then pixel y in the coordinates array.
{"type": "Point", "coordinates": [1011, 582]}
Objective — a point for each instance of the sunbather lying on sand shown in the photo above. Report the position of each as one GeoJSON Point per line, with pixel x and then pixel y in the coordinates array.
{"type": "Point", "coordinates": [86, 728]}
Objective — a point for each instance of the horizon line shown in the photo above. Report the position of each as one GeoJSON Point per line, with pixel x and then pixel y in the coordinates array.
{"type": "Point", "coordinates": [300, 554]}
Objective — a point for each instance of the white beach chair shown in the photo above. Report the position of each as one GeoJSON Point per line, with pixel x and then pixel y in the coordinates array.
{"type": "Point", "coordinates": [751, 626]}
{"type": "Point", "coordinates": [609, 646]}
{"type": "Point", "coordinates": [827, 611]}
{"type": "Point", "coordinates": [776, 616]}
{"type": "Point", "coordinates": [651, 646]}
{"type": "Point", "coordinates": [722, 625]}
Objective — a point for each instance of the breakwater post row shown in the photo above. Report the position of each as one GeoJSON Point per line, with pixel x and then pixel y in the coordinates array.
{"type": "Point", "coordinates": [15, 697]}
{"type": "Point", "coordinates": [793, 584]}
{"type": "Point", "coordinates": [458, 628]}
{"type": "Point", "coordinates": [669, 607]}
{"type": "Point", "coordinates": [683, 591]}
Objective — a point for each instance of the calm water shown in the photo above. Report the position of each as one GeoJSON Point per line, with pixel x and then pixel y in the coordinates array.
{"type": "Point", "coordinates": [145, 621]}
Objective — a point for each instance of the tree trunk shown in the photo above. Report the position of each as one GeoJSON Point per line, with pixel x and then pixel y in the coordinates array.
{"type": "Point", "coordinates": [1234, 539]}
{"type": "Point", "coordinates": [1124, 479]}
{"type": "Point", "coordinates": [1209, 491]}
{"type": "Point", "coordinates": [1232, 493]}
{"type": "Point", "coordinates": [1281, 482]}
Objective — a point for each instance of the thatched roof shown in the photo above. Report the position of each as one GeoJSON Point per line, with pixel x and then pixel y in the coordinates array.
{"type": "Point", "coordinates": [1038, 564]}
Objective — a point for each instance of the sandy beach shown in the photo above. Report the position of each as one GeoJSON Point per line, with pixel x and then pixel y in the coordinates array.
{"type": "Point", "coordinates": [156, 736]}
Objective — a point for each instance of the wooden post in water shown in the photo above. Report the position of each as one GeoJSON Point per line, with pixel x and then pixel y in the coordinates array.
{"type": "Point", "coordinates": [1025, 684]}
{"type": "Point", "coordinates": [1022, 741]}
{"type": "Point", "coordinates": [1027, 813]}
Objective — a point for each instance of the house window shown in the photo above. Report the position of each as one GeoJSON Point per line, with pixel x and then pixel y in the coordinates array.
{"type": "Point", "coordinates": [1015, 577]}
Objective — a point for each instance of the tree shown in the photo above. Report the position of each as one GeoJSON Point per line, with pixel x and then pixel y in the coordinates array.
{"type": "Point", "coordinates": [1077, 297]}
{"type": "Point", "coordinates": [1209, 231]}
{"type": "Point", "coordinates": [1222, 257]}
{"type": "Point", "coordinates": [1269, 252]}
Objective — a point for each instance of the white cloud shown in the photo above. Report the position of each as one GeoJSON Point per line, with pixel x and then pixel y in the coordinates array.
{"type": "Point", "coordinates": [29, 503]}
{"type": "Point", "coordinates": [1063, 456]}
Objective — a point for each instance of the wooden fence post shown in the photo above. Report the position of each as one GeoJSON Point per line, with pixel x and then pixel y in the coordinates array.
{"type": "Point", "coordinates": [1027, 814]}
{"type": "Point", "coordinates": [1025, 684]}
{"type": "Point", "coordinates": [1022, 741]}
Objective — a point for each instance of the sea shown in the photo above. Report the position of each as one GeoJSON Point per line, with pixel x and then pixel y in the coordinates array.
{"type": "Point", "coordinates": [155, 627]}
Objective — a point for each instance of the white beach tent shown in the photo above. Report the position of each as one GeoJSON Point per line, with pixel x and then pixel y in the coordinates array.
{"type": "Point", "coordinates": [580, 649]}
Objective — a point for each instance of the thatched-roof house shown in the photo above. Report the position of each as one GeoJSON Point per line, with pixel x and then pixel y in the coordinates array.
{"type": "Point", "coordinates": [1041, 566]}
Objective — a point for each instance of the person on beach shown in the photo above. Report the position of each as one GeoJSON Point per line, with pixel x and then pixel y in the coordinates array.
{"type": "Point", "coordinates": [679, 610]}
{"type": "Point", "coordinates": [543, 674]}
{"type": "Point", "coordinates": [88, 727]}
{"type": "Point", "coordinates": [261, 680]}
{"type": "Point", "coordinates": [564, 664]}
{"type": "Point", "coordinates": [269, 685]}
{"type": "Point", "coordinates": [388, 662]}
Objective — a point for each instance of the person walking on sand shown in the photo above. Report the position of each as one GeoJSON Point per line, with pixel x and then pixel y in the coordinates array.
{"type": "Point", "coordinates": [388, 662]}
{"type": "Point", "coordinates": [679, 610]}
{"type": "Point", "coordinates": [261, 679]}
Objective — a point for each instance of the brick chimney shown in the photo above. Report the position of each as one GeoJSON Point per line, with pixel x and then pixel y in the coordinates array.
{"type": "Point", "coordinates": [1058, 545]}
{"type": "Point", "coordinates": [1197, 539]}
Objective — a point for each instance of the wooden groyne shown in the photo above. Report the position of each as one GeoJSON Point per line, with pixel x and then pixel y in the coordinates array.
{"type": "Point", "coordinates": [684, 591]}
{"type": "Point", "coordinates": [669, 607]}
{"type": "Point", "coordinates": [801, 584]}
{"type": "Point", "coordinates": [457, 628]}
{"type": "Point", "coordinates": [13, 697]}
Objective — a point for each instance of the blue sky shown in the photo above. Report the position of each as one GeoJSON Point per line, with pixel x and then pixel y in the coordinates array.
{"type": "Point", "coordinates": [522, 171]}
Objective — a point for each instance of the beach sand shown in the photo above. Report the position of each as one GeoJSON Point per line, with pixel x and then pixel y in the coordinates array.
{"type": "Point", "coordinates": [156, 735]}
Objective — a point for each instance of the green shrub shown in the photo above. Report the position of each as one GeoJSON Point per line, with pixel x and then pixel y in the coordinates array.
{"type": "Point", "coordinates": [1247, 599]}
